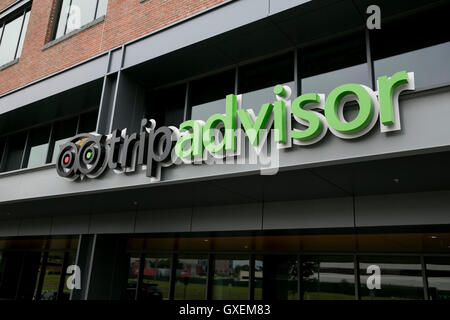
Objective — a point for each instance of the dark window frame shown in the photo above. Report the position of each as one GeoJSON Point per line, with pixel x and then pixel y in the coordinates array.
{"type": "Point", "coordinates": [57, 16]}
{"type": "Point", "coordinates": [50, 149]}
{"type": "Point", "coordinates": [22, 12]}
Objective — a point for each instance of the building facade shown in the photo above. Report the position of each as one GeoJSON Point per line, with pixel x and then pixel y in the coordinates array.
{"type": "Point", "coordinates": [224, 149]}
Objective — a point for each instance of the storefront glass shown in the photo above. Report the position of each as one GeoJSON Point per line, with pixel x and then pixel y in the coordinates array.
{"type": "Point", "coordinates": [231, 277]}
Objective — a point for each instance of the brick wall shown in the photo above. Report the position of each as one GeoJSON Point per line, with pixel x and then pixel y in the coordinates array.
{"type": "Point", "coordinates": [125, 20]}
{"type": "Point", "coordinates": [5, 3]}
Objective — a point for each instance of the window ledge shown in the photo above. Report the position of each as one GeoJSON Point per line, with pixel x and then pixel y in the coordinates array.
{"type": "Point", "coordinates": [9, 64]}
{"type": "Point", "coordinates": [73, 33]}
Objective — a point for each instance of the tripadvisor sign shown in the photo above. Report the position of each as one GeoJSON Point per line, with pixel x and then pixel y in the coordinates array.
{"type": "Point", "coordinates": [195, 141]}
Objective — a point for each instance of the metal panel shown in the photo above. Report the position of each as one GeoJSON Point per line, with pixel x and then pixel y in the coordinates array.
{"type": "Point", "coordinates": [322, 213]}
{"type": "Point", "coordinates": [228, 218]}
{"type": "Point", "coordinates": [122, 222]}
{"type": "Point", "coordinates": [73, 77]}
{"type": "Point", "coordinates": [424, 208]}
{"type": "Point", "coordinates": [65, 225]}
{"type": "Point", "coordinates": [171, 220]}
{"type": "Point", "coordinates": [9, 228]}
{"type": "Point", "coordinates": [35, 226]}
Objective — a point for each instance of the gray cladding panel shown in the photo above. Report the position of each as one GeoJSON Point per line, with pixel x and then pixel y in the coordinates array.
{"type": "Point", "coordinates": [62, 225]}
{"type": "Point", "coordinates": [228, 17]}
{"type": "Point", "coordinates": [74, 77]}
{"type": "Point", "coordinates": [227, 218]}
{"type": "Point", "coordinates": [170, 220]}
{"type": "Point", "coordinates": [122, 222]}
{"type": "Point", "coordinates": [35, 226]}
{"type": "Point", "coordinates": [403, 209]}
{"type": "Point", "coordinates": [321, 213]}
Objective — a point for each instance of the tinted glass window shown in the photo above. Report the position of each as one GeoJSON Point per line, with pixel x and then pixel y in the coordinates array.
{"type": "Point", "coordinates": [22, 35]}
{"type": "Point", "coordinates": [166, 106]}
{"type": "Point", "coordinates": [278, 274]}
{"type": "Point", "coordinates": [325, 66]}
{"type": "Point", "coordinates": [231, 278]}
{"type": "Point", "coordinates": [328, 278]}
{"type": "Point", "coordinates": [155, 280]}
{"type": "Point", "coordinates": [53, 272]}
{"type": "Point", "coordinates": [2, 151]}
{"type": "Point", "coordinates": [132, 278]}
{"type": "Point", "coordinates": [38, 147]}
{"type": "Point", "coordinates": [400, 278]}
{"type": "Point", "coordinates": [88, 122]}
{"type": "Point", "coordinates": [77, 13]}
{"type": "Point", "coordinates": [191, 274]}
{"type": "Point", "coordinates": [438, 273]}
{"type": "Point", "coordinates": [16, 147]}
{"type": "Point", "coordinates": [256, 81]}
{"type": "Point", "coordinates": [62, 131]}
{"type": "Point", "coordinates": [423, 47]}
{"type": "Point", "coordinates": [207, 95]}
{"type": "Point", "coordinates": [10, 40]}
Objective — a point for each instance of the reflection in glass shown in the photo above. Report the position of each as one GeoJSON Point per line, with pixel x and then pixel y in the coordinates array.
{"type": "Point", "coordinates": [81, 13]}
{"type": "Point", "coordinates": [401, 278]}
{"type": "Point", "coordinates": [156, 276]}
{"type": "Point", "coordinates": [207, 95]}
{"type": "Point", "coordinates": [16, 147]}
{"type": "Point", "coordinates": [438, 274]}
{"type": "Point", "coordinates": [395, 50]}
{"type": "Point", "coordinates": [430, 65]}
{"type": "Point", "coordinates": [101, 9]}
{"type": "Point", "coordinates": [191, 274]}
{"type": "Point", "coordinates": [267, 73]}
{"type": "Point", "coordinates": [328, 278]}
{"type": "Point", "coordinates": [64, 12]}
{"type": "Point", "coordinates": [255, 99]}
{"type": "Point", "coordinates": [62, 131]}
{"type": "Point", "coordinates": [10, 40]}
{"type": "Point", "coordinates": [133, 273]}
{"type": "Point", "coordinates": [328, 65]}
{"type": "Point", "coordinates": [231, 278]}
{"type": "Point", "coordinates": [22, 35]}
{"type": "Point", "coordinates": [259, 266]}
{"type": "Point", "coordinates": [52, 276]}
{"type": "Point", "coordinates": [280, 281]}
{"type": "Point", "coordinates": [88, 122]}
{"type": "Point", "coordinates": [38, 147]}
{"type": "Point", "coordinates": [71, 258]}
{"type": "Point", "coordinates": [167, 112]}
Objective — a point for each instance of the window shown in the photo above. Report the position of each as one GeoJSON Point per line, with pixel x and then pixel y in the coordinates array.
{"type": "Point", "coordinates": [396, 48]}
{"type": "Point", "coordinates": [325, 66]}
{"type": "Point", "coordinates": [256, 81]}
{"type": "Point", "coordinates": [167, 112]}
{"type": "Point", "coordinates": [191, 274]}
{"type": "Point", "coordinates": [12, 36]}
{"type": "Point", "coordinates": [207, 95]}
{"type": "Point", "coordinates": [231, 278]}
{"type": "Point", "coordinates": [155, 278]}
{"type": "Point", "coordinates": [328, 278]}
{"type": "Point", "coordinates": [37, 146]}
{"type": "Point", "coordinates": [62, 131]}
{"type": "Point", "coordinates": [276, 277]}
{"type": "Point", "coordinates": [438, 273]}
{"type": "Point", "coordinates": [14, 151]}
{"type": "Point", "coordinates": [401, 278]}
{"type": "Point", "coordinates": [73, 14]}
